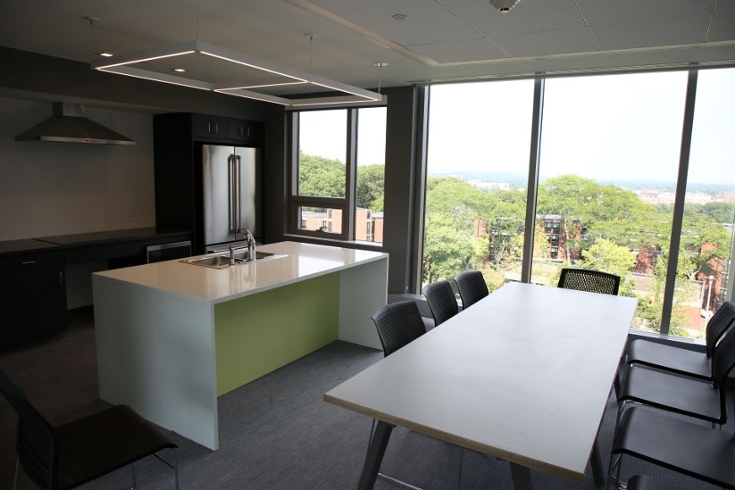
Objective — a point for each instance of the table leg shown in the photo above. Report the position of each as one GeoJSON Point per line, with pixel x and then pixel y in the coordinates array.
{"type": "Point", "coordinates": [596, 462]}
{"type": "Point", "coordinates": [521, 477]}
{"type": "Point", "coordinates": [374, 456]}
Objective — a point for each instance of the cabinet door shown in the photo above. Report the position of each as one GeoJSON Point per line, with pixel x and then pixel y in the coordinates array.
{"type": "Point", "coordinates": [33, 304]}
{"type": "Point", "coordinates": [244, 131]}
{"type": "Point", "coordinates": [210, 126]}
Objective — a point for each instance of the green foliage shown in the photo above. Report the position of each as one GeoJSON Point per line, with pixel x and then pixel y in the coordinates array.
{"type": "Point", "coordinates": [319, 176]}
{"type": "Point", "coordinates": [370, 187]}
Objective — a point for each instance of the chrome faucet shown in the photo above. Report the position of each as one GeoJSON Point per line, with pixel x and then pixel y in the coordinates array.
{"type": "Point", "coordinates": [232, 255]}
{"type": "Point", "coordinates": [251, 244]}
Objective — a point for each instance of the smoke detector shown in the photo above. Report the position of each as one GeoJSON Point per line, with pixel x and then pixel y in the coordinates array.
{"type": "Point", "coordinates": [504, 6]}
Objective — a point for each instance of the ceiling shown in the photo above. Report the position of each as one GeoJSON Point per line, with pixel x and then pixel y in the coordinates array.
{"type": "Point", "coordinates": [440, 40]}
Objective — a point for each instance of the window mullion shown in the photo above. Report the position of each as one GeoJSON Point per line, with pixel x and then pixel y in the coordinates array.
{"type": "Point", "coordinates": [533, 178]}
{"type": "Point", "coordinates": [681, 188]}
{"type": "Point", "coordinates": [348, 217]}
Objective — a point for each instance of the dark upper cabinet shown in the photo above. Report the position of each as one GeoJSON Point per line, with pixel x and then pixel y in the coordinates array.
{"type": "Point", "coordinates": [245, 131]}
{"type": "Point", "coordinates": [204, 126]}
{"type": "Point", "coordinates": [32, 297]}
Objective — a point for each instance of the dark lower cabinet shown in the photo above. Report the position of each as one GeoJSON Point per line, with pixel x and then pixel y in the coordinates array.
{"type": "Point", "coordinates": [32, 298]}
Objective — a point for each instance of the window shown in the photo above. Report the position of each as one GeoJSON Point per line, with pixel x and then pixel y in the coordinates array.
{"type": "Point", "coordinates": [333, 146]}
{"type": "Point", "coordinates": [605, 140]}
{"type": "Point", "coordinates": [477, 173]}
{"type": "Point", "coordinates": [610, 155]}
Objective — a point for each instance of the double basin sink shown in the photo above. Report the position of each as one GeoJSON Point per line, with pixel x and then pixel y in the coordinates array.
{"type": "Point", "coordinates": [222, 261]}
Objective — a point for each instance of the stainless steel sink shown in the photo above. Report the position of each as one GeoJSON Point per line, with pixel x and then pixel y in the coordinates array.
{"type": "Point", "coordinates": [222, 261]}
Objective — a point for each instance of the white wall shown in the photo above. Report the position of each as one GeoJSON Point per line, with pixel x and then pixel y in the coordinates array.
{"type": "Point", "coordinates": [51, 188]}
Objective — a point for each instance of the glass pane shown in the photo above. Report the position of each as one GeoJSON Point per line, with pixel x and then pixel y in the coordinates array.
{"type": "Point", "coordinates": [328, 220]}
{"type": "Point", "coordinates": [709, 207]}
{"type": "Point", "coordinates": [478, 154]}
{"type": "Point", "coordinates": [371, 123]}
{"type": "Point", "coordinates": [609, 157]}
{"type": "Point", "coordinates": [322, 153]}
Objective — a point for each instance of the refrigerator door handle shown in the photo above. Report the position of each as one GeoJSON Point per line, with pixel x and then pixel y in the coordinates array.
{"type": "Point", "coordinates": [238, 194]}
{"type": "Point", "coordinates": [232, 193]}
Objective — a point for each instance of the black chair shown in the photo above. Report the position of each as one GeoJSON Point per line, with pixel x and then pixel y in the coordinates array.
{"type": "Point", "coordinates": [686, 396]}
{"type": "Point", "coordinates": [691, 449]}
{"type": "Point", "coordinates": [67, 456]}
{"type": "Point", "coordinates": [589, 280]}
{"type": "Point", "coordinates": [471, 286]}
{"type": "Point", "coordinates": [682, 361]}
{"type": "Point", "coordinates": [441, 299]}
{"type": "Point", "coordinates": [398, 324]}
{"type": "Point", "coordinates": [643, 482]}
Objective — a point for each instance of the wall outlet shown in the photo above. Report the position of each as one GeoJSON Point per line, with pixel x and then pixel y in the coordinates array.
{"type": "Point", "coordinates": [131, 213]}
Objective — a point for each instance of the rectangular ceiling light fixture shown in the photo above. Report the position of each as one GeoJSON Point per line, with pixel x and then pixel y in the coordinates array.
{"type": "Point", "coordinates": [210, 67]}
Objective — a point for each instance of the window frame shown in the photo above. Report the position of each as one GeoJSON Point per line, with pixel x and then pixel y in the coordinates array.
{"type": "Point", "coordinates": [347, 204]}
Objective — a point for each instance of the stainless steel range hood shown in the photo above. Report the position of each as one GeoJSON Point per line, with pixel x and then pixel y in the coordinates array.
{"type": "Point", "coordinates": [69, 125]}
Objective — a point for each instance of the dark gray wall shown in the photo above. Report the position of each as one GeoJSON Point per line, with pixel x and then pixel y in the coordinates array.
{"type": "Point", "coordinates": [45, 78]}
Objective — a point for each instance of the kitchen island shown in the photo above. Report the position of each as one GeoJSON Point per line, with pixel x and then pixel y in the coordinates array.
{"type": "Point", "coordinates": [173, 336]}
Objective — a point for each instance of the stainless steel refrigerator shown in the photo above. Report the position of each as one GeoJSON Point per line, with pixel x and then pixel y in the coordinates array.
{"type": "Point", "coordinates": [231, 194]}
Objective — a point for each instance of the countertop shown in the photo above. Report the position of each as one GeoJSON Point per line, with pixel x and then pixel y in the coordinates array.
{"type": "Point", "coordinates": [61, 242]}
{"type": "Point", "coordinates": [205, 284]}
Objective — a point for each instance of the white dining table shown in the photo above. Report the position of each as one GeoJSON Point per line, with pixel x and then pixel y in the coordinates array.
{"type": "Point", "coordinates": [523, 375]}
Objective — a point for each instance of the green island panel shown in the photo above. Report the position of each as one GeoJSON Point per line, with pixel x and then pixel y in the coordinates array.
{"type": "Point", "coordinates": [258, 334]}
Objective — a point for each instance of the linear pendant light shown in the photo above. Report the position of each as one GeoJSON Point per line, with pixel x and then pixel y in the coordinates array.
{"type": "Point", "coordinates": [256, 79]}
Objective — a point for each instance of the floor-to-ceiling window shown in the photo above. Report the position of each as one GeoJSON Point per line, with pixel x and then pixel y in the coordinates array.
{"type": "Point", "coordinates": [478, 153]}
{"type": "Point", "coordinates": [612, 152]}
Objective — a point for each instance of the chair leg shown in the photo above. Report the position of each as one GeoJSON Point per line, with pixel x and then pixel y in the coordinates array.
{"type": "Point", "coordinates": [15, 475]}
{"type": "Point", "coordinates": [174, 465]}
{"type": "Point", "coordinates": [132, 471]}
{"type": "Point", "coordinates": [461, 460]}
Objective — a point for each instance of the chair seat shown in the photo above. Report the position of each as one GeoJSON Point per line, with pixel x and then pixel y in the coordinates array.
{"type": "Point", "coordinates": [694, 450]}
{"type": "Point", "coordinates": [686, 396]}
{"type": "Point", "coordinates": [643, 482]}
{"type": "Point", "coordinates": [670, 358]}
{"type": "Point", "coordinates": [95, 445]}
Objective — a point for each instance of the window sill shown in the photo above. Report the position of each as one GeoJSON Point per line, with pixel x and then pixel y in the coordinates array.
{"type": "Point", "coordinates": [356, 244]}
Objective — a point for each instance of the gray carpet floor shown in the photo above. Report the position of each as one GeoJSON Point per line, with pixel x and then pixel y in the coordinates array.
{"type": "Point", "coordinates": [275, 433]}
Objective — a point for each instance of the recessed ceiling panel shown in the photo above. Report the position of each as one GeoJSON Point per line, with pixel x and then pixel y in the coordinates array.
{"type": "Point", "coordinates": [663, 32]}
{"type": "Point", "coordinates": [427, 21]}
{"type": "Point", "coordinates": [527, 16]}
{"type": "Point", "coordinates": [461, 51]}
{"type": "Point", "coordinates": [722, 28]}
{"type": "Point", "coordinates": [598, 12]}
{"type": "Point", "coordinates": [547, 43]}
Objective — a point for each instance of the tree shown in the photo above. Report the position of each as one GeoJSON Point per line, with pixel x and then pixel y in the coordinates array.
{"type": "Point", "coordinates": [370, 187]}
{"type": "Point", "coordinates": [319, 176]}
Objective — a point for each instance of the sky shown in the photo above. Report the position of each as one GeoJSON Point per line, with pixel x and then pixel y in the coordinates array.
{"type": "Point", "coordinates": [612, 127]}
{"type": "Point", "coordinates": [615, 127]}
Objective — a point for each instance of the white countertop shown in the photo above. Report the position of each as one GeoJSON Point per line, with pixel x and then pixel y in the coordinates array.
{"type": "Point", "coordinates": [302, 261]}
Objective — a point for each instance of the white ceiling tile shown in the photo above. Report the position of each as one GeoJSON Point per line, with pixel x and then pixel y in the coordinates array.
{"type": "Point", "coordinates": [427, 22]}
{"type": "Point", "coordinates": [725, 7]}
{"type": "Point", "coordinates": [459, 51]}
{"type": "Point", "coordinates": [722, 28]}
{"type": "Point", "coordinates": [663, 32]}
{"type": "Point", "coordinates": [598, 12]}
{"type": "Point", "coordinates": [527, 16]}
{"type": "Point", "coordinates": [548, 42]}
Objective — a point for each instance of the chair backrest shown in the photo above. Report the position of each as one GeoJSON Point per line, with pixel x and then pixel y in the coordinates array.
{"type": "Point", "coordinates": [398, 324]}
{"type": "Point", "coordinates": [471, 286]}
{"type": "Point", "coordinates": [35, 443]}
{"type": "Point", "coordinates": [589, 280]}
{"type": "Point", "coordinates": [718, 325]}
{"type": "Point", "coordinates": [442, 303]}
{"type": "Point", "coordinates": [723, 363]}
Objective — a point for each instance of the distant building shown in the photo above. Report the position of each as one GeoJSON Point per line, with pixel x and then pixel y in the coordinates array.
{"type": "Point", "coordinates": [368, 224]}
